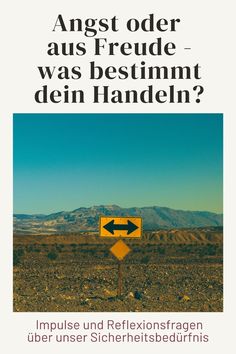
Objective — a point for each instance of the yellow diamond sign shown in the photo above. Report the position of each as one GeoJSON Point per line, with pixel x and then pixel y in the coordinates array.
{"type": "Point", "coordinates": [120, 250]}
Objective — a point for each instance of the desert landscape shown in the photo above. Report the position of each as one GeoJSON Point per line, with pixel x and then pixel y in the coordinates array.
{"type": "Point", "coordinates": [164, 169]}
{"type": "Point", "coordinates": [168, 270]}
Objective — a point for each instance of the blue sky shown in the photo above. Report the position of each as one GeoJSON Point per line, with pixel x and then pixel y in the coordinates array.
{"type": "Point", "coordinates": [65, 161]}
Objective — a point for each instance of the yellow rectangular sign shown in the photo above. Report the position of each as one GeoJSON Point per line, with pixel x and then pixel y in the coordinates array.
{"type": "Point", "coordinates": [120, 226]}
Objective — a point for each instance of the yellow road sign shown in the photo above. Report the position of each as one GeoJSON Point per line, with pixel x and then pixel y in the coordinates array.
{"type": "Point", "coordinates": [120, 226]}
{"type": "Point", "coordinates": [120, 250]}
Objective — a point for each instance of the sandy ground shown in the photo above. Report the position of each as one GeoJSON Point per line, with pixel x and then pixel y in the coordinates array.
{"type": "Point", "coordinates": [85, 279]}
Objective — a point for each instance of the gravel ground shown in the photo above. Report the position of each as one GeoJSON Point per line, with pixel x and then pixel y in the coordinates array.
{"type": "Point", "coordinates": [67, 284]}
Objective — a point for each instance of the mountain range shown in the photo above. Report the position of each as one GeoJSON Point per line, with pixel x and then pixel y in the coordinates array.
{"type": "Point", "coordinates": [87, 219]}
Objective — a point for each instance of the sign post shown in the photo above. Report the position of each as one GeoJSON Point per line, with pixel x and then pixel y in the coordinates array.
{"type": "Point", "coordinates": [121, 227]}
{"type": "Point", "coordinates": [119, 279]}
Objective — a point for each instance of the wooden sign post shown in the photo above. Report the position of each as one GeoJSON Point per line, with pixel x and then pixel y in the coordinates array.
{"type": "Point", "coordinates": [125, 227]}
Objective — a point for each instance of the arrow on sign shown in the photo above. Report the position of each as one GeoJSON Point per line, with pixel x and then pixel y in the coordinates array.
{"type": "Point", "coordinates": [111, 227]}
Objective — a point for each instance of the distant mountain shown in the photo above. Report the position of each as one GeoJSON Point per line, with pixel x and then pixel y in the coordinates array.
{"type": "Point", "coordinates": [87, 219]}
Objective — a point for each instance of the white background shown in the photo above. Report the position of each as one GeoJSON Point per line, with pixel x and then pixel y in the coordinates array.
{"type": "Point", "coordinates": [26, 28]}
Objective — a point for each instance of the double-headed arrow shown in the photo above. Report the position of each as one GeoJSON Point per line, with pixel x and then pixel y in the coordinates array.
{"type": "Point", "coordinates": [111, 227]}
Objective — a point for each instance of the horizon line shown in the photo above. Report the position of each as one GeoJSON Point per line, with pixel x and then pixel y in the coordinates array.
{"type": "Point", "coordinates": [116, 205]}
